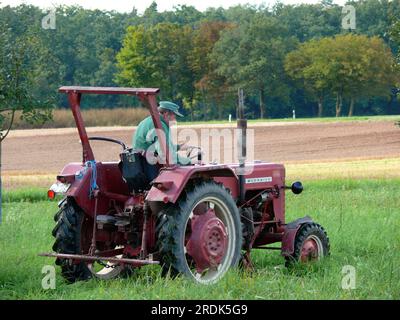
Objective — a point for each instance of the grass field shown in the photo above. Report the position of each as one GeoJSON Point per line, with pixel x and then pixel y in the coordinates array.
{"type": "Point", "coordinates": [361, 218]}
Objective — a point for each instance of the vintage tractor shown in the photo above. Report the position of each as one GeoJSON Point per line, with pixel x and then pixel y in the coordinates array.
{"type": "Point", "coordinates": [196, 220]}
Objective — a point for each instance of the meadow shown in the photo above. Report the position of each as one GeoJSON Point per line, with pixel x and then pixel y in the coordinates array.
{"type": "Point", "coordinates": [361, 217]}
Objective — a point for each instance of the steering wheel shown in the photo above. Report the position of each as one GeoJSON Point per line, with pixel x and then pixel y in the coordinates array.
{"type": "Point", "coordinates": [109, 140]}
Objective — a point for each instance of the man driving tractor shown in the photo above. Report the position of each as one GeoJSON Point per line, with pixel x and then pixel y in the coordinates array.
{"type": "Point", "coordinates": [145, 139]}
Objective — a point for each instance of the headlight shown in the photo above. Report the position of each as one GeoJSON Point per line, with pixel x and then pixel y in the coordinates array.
{"type": "Point", "coordinates": [57, 188]}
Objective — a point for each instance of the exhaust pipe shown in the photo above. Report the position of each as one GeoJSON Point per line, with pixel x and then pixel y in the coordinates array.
{"type": "Point", "coordinates": [242, 127]}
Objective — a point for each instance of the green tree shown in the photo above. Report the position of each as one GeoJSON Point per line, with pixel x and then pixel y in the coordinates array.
{"type": "Point", "coordinates": [16, 77]}
{"type": "Point", "coordinates": [251, 56]}
{"type": "Point", "coordinates": [79, 49]}
{"type": "Point", "coordinates": [395, 37]}
{"type": "Point", "coordinates": [351, 66]}
{"type": "Point", "coordinates": [367, 68]}
{"type": "Point", "coordinates": [306, 22]}
{"type": "Point", "coordinates": [82, 51]}
{"type": "Point", "coordinates": [151, 16]}
{"type": "Point", "coordinates": [307, 66]}
{"type": "Point", "coordinates": [183, 15]}
{"type": "Point", "coordinates": [374, 16]}
{"type": "Point", "coordinates": [157, 57]}
{"type": "Point", "coordinates": [210, 86]}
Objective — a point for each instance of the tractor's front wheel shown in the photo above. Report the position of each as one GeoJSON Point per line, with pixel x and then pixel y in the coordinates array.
{"type": "Point", "coordinates": [68, 240]}
{"type": "Point", "coordinates": [201, 235]}
{"type": "Point", "coordinates": [311, 244]}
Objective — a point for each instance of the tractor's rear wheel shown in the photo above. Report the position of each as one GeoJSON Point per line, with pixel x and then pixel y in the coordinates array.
{"type": "Point", "coordinates": [73, 233]}
{"type": "Point", "coordinates": [201, 235]}
{"type": "Point", "coordinates": [311, 244]}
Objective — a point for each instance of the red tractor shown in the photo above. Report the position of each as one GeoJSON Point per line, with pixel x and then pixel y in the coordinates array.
{"type": "Point", "coordinates": [196, 220]}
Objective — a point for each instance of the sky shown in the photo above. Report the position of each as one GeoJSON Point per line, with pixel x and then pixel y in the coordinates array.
{"type": "Point", "coordinates": [141, 5]}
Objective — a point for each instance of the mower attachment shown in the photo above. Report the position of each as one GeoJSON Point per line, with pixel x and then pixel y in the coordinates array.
{"type": "Point", "coordinates": [78, 258]}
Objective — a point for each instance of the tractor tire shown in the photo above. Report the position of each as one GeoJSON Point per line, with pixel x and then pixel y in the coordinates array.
{"type": "Point", "coordinates": [200, 236]}
{"type": "Point", "coordinates": [68, 231]}
{"type": "Point", "coordinates": [311, 244]}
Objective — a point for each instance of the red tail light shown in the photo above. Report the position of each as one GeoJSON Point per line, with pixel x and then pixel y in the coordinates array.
{"type": "Point", "coordinates": [51, 194]}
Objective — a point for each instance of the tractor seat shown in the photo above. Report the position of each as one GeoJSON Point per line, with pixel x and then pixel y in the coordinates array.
{"type": "Point", "coordinates": [136, 171]}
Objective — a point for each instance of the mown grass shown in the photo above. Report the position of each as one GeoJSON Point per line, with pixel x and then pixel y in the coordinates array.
{"type": "Point", "coordinates": [360, 216]}
{"type": "Point", "coordinates": [27, 194]}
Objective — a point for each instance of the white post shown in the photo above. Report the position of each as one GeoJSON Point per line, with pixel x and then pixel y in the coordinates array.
{"type": "Point", "coordinates": [230, 118]}
{"type": "Point", "coordinates": [294, 114]}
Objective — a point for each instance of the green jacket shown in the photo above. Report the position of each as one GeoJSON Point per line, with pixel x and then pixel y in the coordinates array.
{"type": "Point", "coordinates": [145, 138]}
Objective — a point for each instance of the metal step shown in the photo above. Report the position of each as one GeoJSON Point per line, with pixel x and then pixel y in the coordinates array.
{"type": "Point", "coordinates": [106, 219]}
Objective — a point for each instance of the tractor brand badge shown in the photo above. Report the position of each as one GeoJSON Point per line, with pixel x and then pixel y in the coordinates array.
{"type": "Point", "coordinates": [259, 180]}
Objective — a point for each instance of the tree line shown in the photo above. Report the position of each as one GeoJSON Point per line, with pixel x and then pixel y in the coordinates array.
{"type": "Point", "coordinates": [285, 57]}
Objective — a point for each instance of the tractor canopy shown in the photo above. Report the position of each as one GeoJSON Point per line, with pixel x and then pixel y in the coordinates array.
{"type": "Point", "coordinates": [146, 95]}
{"type": "Point", "coordinates": [110, 90]}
